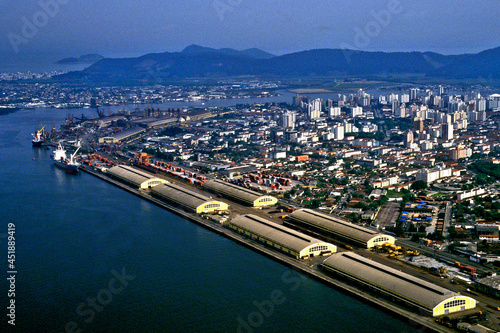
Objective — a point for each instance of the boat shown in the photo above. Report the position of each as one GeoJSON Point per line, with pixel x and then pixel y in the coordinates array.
{"type": "Point", "coordinates": [38, 137]}
{"type": "Point", "coordinates": [62, 161]}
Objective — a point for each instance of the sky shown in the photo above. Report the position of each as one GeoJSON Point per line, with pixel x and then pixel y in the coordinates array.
{"type": "Point", "coordinates": [41, 30]}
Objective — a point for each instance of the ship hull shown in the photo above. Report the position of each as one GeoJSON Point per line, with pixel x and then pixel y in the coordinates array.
{"type": "Point", "coordinates": [37, 143]}
{"type": "Point", "coordinates": [66, 167]}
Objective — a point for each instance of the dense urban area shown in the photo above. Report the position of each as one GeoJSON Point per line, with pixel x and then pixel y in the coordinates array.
{"type": "Point", "coordinates": [418, 167]}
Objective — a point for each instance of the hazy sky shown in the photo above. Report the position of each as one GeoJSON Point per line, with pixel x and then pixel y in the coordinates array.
{"type": "Point", "coordinates": [30, 29]}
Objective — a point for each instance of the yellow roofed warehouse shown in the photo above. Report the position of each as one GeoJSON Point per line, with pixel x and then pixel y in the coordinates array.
{"type": "Point", "coordinates": [403, 288]}
{"type": "Point", "coordinates": [239, 193]}
{"type": "Point", "coordinates": [189, 200]}
{"type": "Point", "coordinates": [135, 177]}
{"type": "Point", "coordinates": [281, 238]}
{"type": "Point", "coordinates": [330, 227]}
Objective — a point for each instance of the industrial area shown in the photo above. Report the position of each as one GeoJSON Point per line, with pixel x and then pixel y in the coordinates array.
{"type": "Point", "coordinates": [246, 204]}
{"type": "Point", "coordinates": [354, 254]}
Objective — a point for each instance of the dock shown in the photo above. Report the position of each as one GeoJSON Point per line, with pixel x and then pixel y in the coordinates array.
{"type": "Point", "coordinates": [424, 323]}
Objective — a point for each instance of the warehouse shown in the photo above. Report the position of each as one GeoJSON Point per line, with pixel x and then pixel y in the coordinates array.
{"type": "Point", "coordinates": [489, 285]}
{"type": "Point", "coordinates": [239, 193]}
{"type": "Point", "coordinates": [398, 286]}
{"type": "Point", "coordinates": [188, 200]}
{"type": "Point", "coordinates": [123, 136]}
{"type": "Point", "coordinates": [282, 238]}
{"type": "Point", "coordinates": [329, 227]}
{"type": "Point", "coordinates": [135, 177]}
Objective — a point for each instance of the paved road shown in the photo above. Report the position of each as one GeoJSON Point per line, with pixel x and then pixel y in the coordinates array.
{"type": "Point", "coordinates": [447, 219]}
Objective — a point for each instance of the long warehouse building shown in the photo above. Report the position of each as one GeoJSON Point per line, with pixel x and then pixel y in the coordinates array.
{"type": "Point", "coordinates": [279, 237]}
{"type": "Point", "coordinates": [329, 227]}
{"type": "Point", "coordinates": [188, 200]}
{"type": "Point", "coordinates": [244, 195]}
{"type": "Point", "coordinates": [135, 177]}
{"type": "Point", "coordinates": [403, 288]}
{"type": "Point", "coordinates": [123, 136]}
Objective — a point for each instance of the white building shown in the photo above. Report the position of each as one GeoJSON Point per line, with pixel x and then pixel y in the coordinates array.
{"type": "Point", "coordinates": [289, 119]}
{"type": "Point", "coordinates": [338, 132]}
{"type": "Point", "coordinates": [355, 111]}
{"type": "Point", "coordinates": [334, 112]}
{"type": "Point", "coordinates": [431, 175]}
{"type": "Point", "coordinates": [447, 131]}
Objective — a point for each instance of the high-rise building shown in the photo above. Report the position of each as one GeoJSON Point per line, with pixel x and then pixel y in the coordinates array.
{"type": "Point", "coordinates": [313, 114]}
{"type": "Point", "coordinates": [472, 116]}
{"type": "Point", "coordinates": [481, 105]}
{"type": "Point", "coordinates": [394, 105]}
{"type": "Point", "coordinates": [334, 112]}
{"type": "Point", "coordinates": [338, 132]}
{"type": "Point", "coordinates": [447, 131]}
{"type": "Point", "coordinates": [289, 119]}
{"type": "Point", "coordinates": [348, 127]}
{"type": "Point", "coordinates": [405, 98]}
{"type": "Point", "coordinates": [400, 111]}
{"type": "Point", "coordinates": [365, 100]}
{"type": "Point", "coordinates": [457, 153]}
{"type": "Point", "coordinates": [413, 94]}
{"type": "Point", "coordinates": [393, 97]}
{"type": "Point", "coordinates": [297, 100]}
{"type": "Point", "coordinates": [317, 104]}
{"type": "Point", "coordinates": [355, 111]}
{"type": "Point", "coordinates": [418, 125]}
{"type": "Point", "coordinates": [441, 90]}
{"type": "Point", "coordinates": [408, 138]}
{"type": "Point", "coordinates": [481, 116]}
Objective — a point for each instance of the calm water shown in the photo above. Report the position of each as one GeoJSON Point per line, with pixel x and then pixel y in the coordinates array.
{"type": "Point", "coordinates": [74, 234]}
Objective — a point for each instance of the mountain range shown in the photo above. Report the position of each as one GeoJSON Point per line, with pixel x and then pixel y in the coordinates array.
{"type": "Point", "coordinates": [84, 59]}
{"type": "Point", "coordinates": [197, 62]}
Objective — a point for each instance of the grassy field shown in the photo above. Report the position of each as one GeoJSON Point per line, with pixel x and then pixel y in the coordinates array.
{"type": "Point", "coordinates": [394, 194]}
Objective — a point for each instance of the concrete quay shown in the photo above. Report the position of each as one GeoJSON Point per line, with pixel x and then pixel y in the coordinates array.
{"type": "Point", "coordinates": [420, 322]}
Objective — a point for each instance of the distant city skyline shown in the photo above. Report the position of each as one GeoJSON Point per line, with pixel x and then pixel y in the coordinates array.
{"type": "Point", "coordinates": [54, 29]}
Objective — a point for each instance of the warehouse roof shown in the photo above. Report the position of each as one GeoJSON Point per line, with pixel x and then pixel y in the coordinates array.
{"type": "Point", "coordinates": [127, 133]}
{"type": "Point", "coordinates": [133, 175]}
{"type": "Point", "coordinates": [233, 190]}
{"type": "Point", "coordinates": [335, 225]}
{"type": "Point", "coordinates": [180, 194]}
{"type": "Point", "coordinates": [287, 237]}
{"type": "Point", "coordinates": [404, 285]}
{"type": "Point", "coordinates": [490, 281]}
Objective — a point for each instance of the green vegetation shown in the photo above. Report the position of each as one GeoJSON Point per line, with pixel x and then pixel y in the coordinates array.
{"type": "Point", "coordinates": [418, 185]}
{"type": "Point", "coordinates": [402, 123]}
{"type": "Point", "coordinates": [484, 208]}
{"type": "Point", "coordinates": [486, 168]}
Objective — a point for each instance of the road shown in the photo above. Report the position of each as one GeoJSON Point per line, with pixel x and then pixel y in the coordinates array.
{"type": "Point", "coordinates": [447, 219]}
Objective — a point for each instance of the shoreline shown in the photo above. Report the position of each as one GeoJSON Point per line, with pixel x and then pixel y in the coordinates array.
{"type": "Point", "coordinates": [415, 320]}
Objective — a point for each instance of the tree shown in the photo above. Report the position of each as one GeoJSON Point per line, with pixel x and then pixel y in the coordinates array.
{"type": "Point", "coordinates": [379, 136]}
{"type": "Point", "coordinates": [418, 185]}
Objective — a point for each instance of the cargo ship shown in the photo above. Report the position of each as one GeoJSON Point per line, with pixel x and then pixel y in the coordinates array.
{"type": "Point", "coordinates": [38, 137]}
{"type": "Point", "coordinates": [62, 161]}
